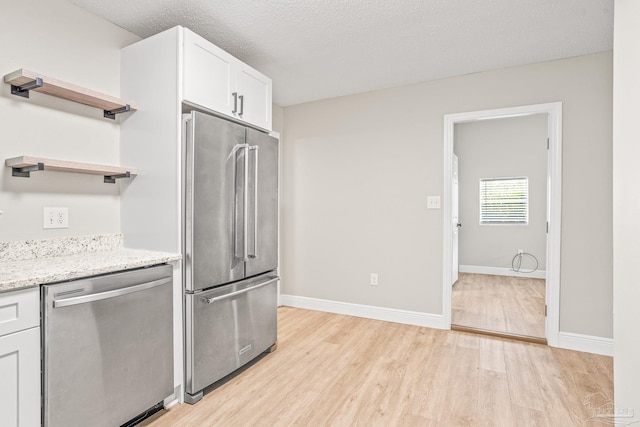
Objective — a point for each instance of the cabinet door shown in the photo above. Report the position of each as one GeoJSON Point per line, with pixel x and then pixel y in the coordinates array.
{"type": "Point", "coordinates": [20, 373]}
{"type": "Point", "coordinates": [19, 310]}
{"type": "Point", "coordinates": [209, 74]}
{"type": "Point", "coordinates": [255, 89]}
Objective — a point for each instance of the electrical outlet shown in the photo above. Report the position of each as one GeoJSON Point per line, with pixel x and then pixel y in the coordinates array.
{"type": "Point", "coordinates": [55, 218]}
{"type": "Point", "coordinates": [374, 279]}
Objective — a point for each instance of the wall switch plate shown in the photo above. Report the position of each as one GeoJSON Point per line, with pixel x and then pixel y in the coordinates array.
{"type": "Point", "coordinates": [433, 202]}
{"type": "Point", "coordinates": [374, 279]}
{"type": "Point", "coordinates": [55, 218]}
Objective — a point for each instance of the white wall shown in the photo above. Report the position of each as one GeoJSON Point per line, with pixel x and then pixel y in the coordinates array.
{"type": "Point", "coordinates": [498, 148]}
{"type": "Point", "coordinates": [626, 204]}
{"type": "Point", "coordinates": [277, 118]}
{"type": "Point", "coordinates": [60, 40]}
{"type": "Point", "coordinates": [358, 169]}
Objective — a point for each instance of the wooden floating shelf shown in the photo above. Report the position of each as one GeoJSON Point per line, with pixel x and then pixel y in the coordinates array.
{"type": "Point", "coordinates": [22, 166]}
{"type": "Point", "coordinates": [22, 81]}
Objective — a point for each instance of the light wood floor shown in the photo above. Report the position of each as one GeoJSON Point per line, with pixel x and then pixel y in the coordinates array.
{"type": "Point", "coordinates": [334, 370]}
{"type": "Point", "coordinates": [513, 305]}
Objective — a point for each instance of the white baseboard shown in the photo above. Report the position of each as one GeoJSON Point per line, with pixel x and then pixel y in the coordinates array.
{"type": "Point", "coordinates": [367, 311]}
{"type": "Point", "coordinates": [566, 340]}
{"type": "Point", "coordinates": [498, 271]}
{"type": "Point", "coordinates": [585, 343]}
{"type": "Point", "coordinates": [168, 403]}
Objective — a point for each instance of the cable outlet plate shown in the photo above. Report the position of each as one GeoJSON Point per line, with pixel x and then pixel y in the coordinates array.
{"type": "Point", "coordinates": [433, 202]}
{"type": "Point", "coordinates": [55, 218]}
{"type": "Point", "coordinates": [373, 279]}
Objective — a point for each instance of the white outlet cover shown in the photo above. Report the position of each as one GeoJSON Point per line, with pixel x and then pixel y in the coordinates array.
{"type": "Point", "coordinates": [55, 217]}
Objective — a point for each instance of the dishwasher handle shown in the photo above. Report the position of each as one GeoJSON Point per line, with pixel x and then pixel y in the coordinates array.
{"type": "Point", "coordinates": [240, 292]}
{"type": "Point", "coordinates": [110, 294]}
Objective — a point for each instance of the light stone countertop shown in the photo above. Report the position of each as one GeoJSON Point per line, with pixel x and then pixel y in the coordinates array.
{"type": "Point", "coordinates": [79, 257]}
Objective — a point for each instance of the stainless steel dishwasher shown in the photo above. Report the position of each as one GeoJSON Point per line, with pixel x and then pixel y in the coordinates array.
{"type": "Point", "coordinates": [107, 347]}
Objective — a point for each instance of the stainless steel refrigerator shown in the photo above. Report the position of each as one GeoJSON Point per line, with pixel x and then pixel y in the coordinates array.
{"type": "Point", "coordinates": [230, 247]}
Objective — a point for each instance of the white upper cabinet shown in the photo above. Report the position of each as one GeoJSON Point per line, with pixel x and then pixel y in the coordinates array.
{"type": "Point", "coordinates": [255, 90]}
{"type": "Point", "coordinates": [215, 80]}
{"type": "Point", "coordinates": [209, 74]}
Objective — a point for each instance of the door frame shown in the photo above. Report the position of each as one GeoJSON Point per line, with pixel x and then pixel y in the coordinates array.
{"type": "Point", "coordinates": [554, 205]}
{"type": "Point", "coordinates": [455, 230]}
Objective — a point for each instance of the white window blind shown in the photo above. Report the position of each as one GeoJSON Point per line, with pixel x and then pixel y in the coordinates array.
{"type": "Point", "coordinates": [504, 201]}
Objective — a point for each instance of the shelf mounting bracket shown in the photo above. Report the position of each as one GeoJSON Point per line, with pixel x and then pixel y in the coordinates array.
{"type": "Point", "coordinates": [111, 114]}
{"type": "Point", "coordinates": [23, 90]}
{"type": "Point", "coordinates": [25, 172]}
{"type": "Point", "coordinates": [111, 179]}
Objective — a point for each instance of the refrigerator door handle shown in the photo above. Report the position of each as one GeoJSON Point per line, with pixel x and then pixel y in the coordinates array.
{"type": "Point", "coordinates": [244, 255]}
{"type": "Point", "coordinates": [240, 292]}
{"type": "Point", "coordinates": [188, 129]}
{"type": "Point", "coordinates": [245, 207]}
{"type": "Point", "coordinates": [254, 148]}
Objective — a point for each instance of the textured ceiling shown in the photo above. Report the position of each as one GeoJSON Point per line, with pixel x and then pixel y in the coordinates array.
{"type": "Point", "coordinates": [315, 49]}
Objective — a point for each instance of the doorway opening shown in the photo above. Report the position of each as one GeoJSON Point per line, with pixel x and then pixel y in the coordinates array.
{"type": "Point", "coordinates": [542, 248]}
{"type": "Point", "coordinates": [502, 186]}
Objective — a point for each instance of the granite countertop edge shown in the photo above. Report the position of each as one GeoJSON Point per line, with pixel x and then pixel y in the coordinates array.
{"type": "Point", "coordinates": [23, 274]}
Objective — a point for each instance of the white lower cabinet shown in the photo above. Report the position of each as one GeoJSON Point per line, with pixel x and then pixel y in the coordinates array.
{"type": "Point", "coordinates": [20, 358]}
{"type": "Point", "coordinates": [20, 373]}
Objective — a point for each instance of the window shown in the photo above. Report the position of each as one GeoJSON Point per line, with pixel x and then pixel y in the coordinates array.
{"type": "Point", "coordinates": [504, 201]}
